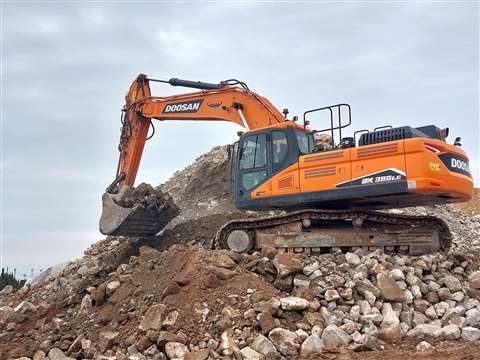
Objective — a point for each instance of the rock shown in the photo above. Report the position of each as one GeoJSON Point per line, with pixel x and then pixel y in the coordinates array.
{"type": "Point", "coordinates": [335, 280]}
{"type": "Point", "coordinates": [470, 333]}
{"type": "Point", "coordinates": [249, 354]}
{"type": "Point", "coordinates": [390, 290]}
{"type": "Point", "coordinates": [352, 259]}
{"type": "Point", "coordinates": [107, 339]}
{"type": "Point", "coordinates": [111, 287]}
{"type": "Point", "coordinates": [151, 351]}
{"type": "Point", "coordinates": [474, 279]}
{"type": "Point", "coordinates": [375, 318]}
{"type": "Point", "coordinates": [450, 332]}
{"type": "Point", "coordinates": [370, 298]}
{"type": "Point", "coordinates": [285, 341]}
{"type": "Point", "coordinates": [424, 346]}
{"type": "Point", "coordinates": [423, 330]}
{"type": "Point", "coordinates": [309, 269]}
{"type": "Point", "coordinates": [441, 308]}
{"type": "Point", "coordinates": [175, 350]}
{"type": "Point", "coordinates": [223, 260]}
{"type": "Point", "coordinates": [265, 347]}
{"type": "Point", "coordinates": [154, 317]}
{"type": "Point", "coordinates": [301, 281]}
{"type": "Point", "coordinates": [198, 355]}
{"type": "Point", "coordinates": [57, 354]}
{"type": "Point", "coordinates": [266, 322]}
{"type": "Point", "coordinates": [170, 319]}
{"type": "Point", "coordinates": [86, 345]}
{"type": "Point", "coordinates": [98, 295]}
{"type": "Point", "coordinates": [390, 328]}
{"type": "Point", "coordinates": [397, 274]}
{"type": "Point", "coordinates": [331, 295]}
{"type": "Point", "coordinates": [347, 294]}
{"type": "Point", "coordinates": [334, 337]}
{"type": "Point", "coordinates": [287, 264]}
{"type": "Point", "coordinates": [165, 337]}
{"type": "Point", "coordinates": [7, 289]}
{"type": "Point", "coordinates": [223, 273]}
{"type": "Point", "coordinates": [86, 305]}
{"type": "Point", "coordinates": [355, 313]}
{"type": "Point", "coordinates": [452, 283]}
{"type": "Point", "coordinates": [76, 345]}
{"type": "Point", "coordinates": [24, 307]}
{"type": "Point", "coordinates": [312, 345]}
{"type": "Point", "coordinates": [39, 355]}
{"type": "Point", "coordinates": [431, 313]}
{"type": "Point", "coordinates": [290, 303]}
{"type": "Point", "coordinates": [444, 294]}
{"type": "Point", "coordinates": [472, 318]}
{"type": "Point", "coordinates": [364, 285]}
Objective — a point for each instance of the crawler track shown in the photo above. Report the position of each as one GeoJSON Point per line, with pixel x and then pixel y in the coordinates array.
{"type": "Point", "coordinates": [332, 229]}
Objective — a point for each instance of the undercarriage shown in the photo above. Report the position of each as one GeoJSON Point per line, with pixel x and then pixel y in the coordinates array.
{"type": "Point", "coordinates": [317, 231]}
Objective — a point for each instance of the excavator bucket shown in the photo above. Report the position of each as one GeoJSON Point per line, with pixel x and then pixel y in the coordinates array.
{"type": "Point", "coordinates": [137, 221]}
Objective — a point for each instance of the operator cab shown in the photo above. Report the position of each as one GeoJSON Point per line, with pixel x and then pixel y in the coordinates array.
{"type": "Point", "coordinates": [262, 154]}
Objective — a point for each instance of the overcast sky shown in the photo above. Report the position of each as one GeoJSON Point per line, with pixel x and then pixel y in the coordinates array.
{"type": "Point", "coordinates": [67, 66]}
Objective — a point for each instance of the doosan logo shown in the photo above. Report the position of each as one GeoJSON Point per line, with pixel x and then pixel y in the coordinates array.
{"type": "Point", "coordinates": [184, 107]}
{"type": "Point", "coordinates": [460, 164]}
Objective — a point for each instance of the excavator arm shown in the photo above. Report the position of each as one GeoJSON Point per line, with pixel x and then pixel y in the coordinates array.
{"type": "Point", "coordinates": [230, 100]}
{"type": "Point", "coordinates": [214, 102]}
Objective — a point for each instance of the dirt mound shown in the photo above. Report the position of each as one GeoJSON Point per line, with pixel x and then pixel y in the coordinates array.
{"type": "Point", "coordinates": [193, 286]}
{"type": "Point", "coordinates": [471, 207]}
{"type": "Point", "coordinates": [203, 187]}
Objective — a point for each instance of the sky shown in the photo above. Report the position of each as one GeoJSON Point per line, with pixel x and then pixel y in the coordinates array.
{"type": "Point", "coordinates": [66, 67]}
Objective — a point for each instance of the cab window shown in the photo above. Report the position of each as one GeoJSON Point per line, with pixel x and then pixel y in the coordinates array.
{"type": "Point", "coordinates": [305, 142]}
{"type": "Point", "coordinates": [254, 152]}
{"type": "Point", "coordinates": [280, 146]}
{"type": "Point", "coordinates": [253, 178]}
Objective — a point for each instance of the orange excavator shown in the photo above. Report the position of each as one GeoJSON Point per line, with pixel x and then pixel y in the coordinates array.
{"type": "Point", "coordinates": [328, 192]}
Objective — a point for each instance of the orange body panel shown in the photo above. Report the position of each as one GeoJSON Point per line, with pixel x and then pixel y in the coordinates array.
{"type": "Point", "coordinates": [377, 157]}
{"type": "Point", "coordinates": [284, 183]}
{"type": "Point", "coordinates": [431, 176]}
{"type": "Point", "coordinates": [321, 171]}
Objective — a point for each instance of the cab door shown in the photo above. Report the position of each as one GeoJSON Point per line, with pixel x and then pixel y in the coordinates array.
{"type": "Point", "coordinates": [253, 167]}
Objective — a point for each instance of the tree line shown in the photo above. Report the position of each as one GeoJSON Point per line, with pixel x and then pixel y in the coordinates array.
{"type": "Point", "coordinates": [8, 278]}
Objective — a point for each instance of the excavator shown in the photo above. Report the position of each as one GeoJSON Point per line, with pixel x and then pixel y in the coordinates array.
{"type": "Point", "coordinates": [330, 197]}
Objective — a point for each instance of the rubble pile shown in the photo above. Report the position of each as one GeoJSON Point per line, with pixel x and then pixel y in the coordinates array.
{"type": "Point", "coordinates": [130, 298]}
{"type": "Point", "coordinates": [203, 193]}
{"type": "Point", "coordinates": [191, 303]}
